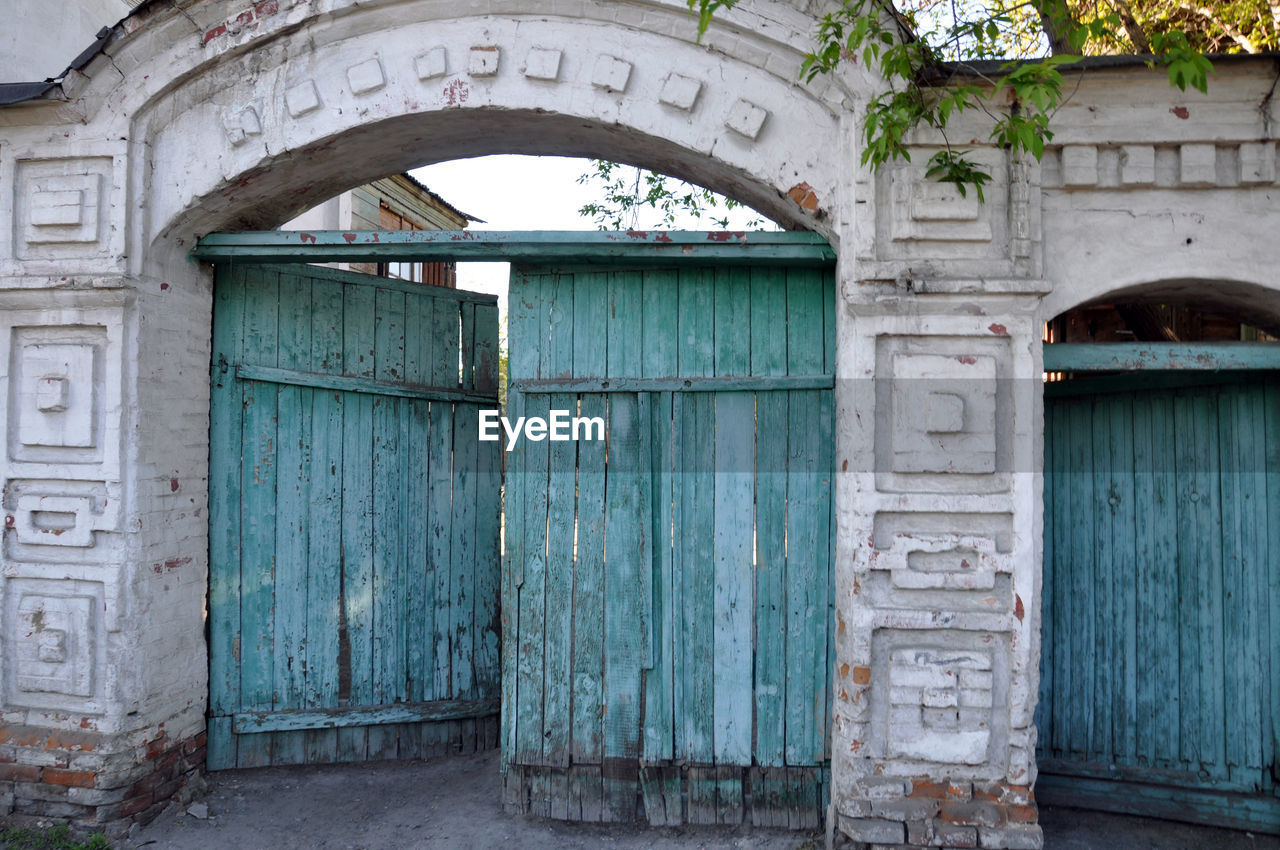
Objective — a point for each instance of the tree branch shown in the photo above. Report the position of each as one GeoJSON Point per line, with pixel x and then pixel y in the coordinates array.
{"type": "Point", "coordinates": [1238, 37]}
{"type": "Point", "coordinates": [1137, 34]}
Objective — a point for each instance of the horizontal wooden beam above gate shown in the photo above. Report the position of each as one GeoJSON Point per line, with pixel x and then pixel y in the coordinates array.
{"type": "Point", "coordinates": [1179, 356]}
{"type": "Point", "coordinates": [369, 386]}
{"type": "Point", "coordinates": [746, 383]}
{"type": "Point", "coordinates": [248, 722]}
{"type": "Point", "coordinates": [793, 248]}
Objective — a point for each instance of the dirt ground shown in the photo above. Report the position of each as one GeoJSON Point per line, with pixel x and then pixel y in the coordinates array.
{"type": "Point", "coordinates": [454, 803]}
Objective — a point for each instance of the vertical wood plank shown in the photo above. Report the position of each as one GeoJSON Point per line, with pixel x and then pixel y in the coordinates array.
{"type": "Point", "coordinates": [293, 492]}
{"type": "Point", "coordinates": [357, 527]}
{"type": "Point", "coordinates": [660, 328]}
{"type": "Point", "coordinates": [466, 448]}
{"type": "Point", "coordinates": [386, 484]}
{"type": "Point", "coordinates": [808, 489]}
{"type": "Point", "coordinates": [626, 611]}
{"type": "Point", "coordinates": [419, 586]}
{"type": "Point", "coordinates": [531, 659]}
{"type": "Point", "coordinates": [324, 596]}
{"type": "Point", "coordinates": [1144, 621]}
{"type": "Point", "coordinates": [557, 360]}
{"type": "Point", "coordinates": [444, 372]}
{"type": "Point", "coordinates": [522, 339]}
{"type": "Point", "coordinates": [225, 442]}
{"type": "Point", "coordinates": [258, 489]}
{"type": "Point", "coordinates": [590, 316]}
{"type": "Point", "coordinates": [695, 533]}
{"type": "Point", "coordinates": [488, 517]}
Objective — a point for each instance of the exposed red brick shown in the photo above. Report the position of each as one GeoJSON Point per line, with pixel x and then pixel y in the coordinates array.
{"type": "Point", "coordinates": [158, 746]}
{"type": "Point", "coordinates": [135, 804]}
{"type": "Point", "coordinates": [190, 745]}
{"type": "Point", "coordinates": [1000, 792]}
{"type": "Point", "coordinates": [1021, 814]}
{"type": "Point", "coordinates": [267, 7]}
{"type": "Point", "coordinates": [803, 195]}
{"type": "Point", "coordinates": [220, 29]}
{"type": "Point", "coordinates": [972, 813]}
{"type": "Point", "coordinates": [74, 778]}
{"type": "Point", "coordinates": [940, 790]}
{"type": "Point", "coordinates": [861, 675]}
{"type": "Point", "coordinates": [69, 740]}
{"type": "Point", "coordinates": [20, 773]}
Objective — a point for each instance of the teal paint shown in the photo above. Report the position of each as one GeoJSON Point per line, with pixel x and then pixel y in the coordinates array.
{"type": "Point", "coordinates": [690, 634]}
{"type": "Point", "coordinates": [720, 248]}
{"type": "Point", "coordinates": [1180, 356]}
{"type": "Point", "coordinates": [1158, 673]}
{"type": "Point", "coordinates": [354, 518]}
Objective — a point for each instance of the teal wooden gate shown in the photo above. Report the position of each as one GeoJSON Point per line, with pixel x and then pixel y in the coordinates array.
{"type": "Point", "coordinates": [666, 603]}
{"type": "Point", "coordinates": [1160, 674]}
{"type": "Point", "coordinates": [353, 590]}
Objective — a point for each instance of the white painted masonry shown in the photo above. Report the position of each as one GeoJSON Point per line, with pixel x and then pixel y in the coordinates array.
{"type": "Point", "coordinates": [215, 114]}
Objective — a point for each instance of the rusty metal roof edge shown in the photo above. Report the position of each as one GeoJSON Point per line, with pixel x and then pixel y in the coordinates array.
{"type": "Point", "coordinates": [15, 93]}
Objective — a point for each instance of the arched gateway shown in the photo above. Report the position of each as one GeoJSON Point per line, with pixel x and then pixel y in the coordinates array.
{"type": "Point", "coordinates": [216, 115]}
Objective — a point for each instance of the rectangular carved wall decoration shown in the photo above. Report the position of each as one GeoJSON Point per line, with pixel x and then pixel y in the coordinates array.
{"type": "Point", "coordinates": [944, 414]}
{"type": "Point", "coordinates": [57, 520]}
{"type": "Point", "coordinates": [53, 644]}
{"type": "Point", "coordinates": [55, 384]}
{"type": "Point", "coordinates": [60, 208]}
{"type": "Point", "coordinates": [942, 561]}
{"type": "Point", "coordinates": [932, 699]}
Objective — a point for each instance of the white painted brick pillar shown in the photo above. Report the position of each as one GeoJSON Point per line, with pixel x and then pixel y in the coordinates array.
{"type": "Point", "coordinates": [102, 673]}
{"type": "Point", "coordinates": [939, 514]}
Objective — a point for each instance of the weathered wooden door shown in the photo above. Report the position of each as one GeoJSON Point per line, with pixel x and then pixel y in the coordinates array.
{"type": "Point", "coordinates": [1160, 675]}
{"type": "Point", "coordinates": [353, 590]}
{"type": "Point", "coordinates": [667, 605]}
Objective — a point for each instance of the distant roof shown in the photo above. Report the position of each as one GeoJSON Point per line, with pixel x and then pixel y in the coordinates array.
{"type": "Point", "coordinates": [441, 201]}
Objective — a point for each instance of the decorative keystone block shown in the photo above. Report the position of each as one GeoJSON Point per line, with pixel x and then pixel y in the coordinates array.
{"type": "Point", "coordinates": [1258, 162]}
{"type": "Point", "coordinates": [1079, 165]}
{"type": "Point", "coordinates": [483, 61]}
{"type": "Point", "coordinates": [542, 64]}
{"type": "Point", "coordinates": [680, 92]}
{"type": "Point", "coordinates": [1197, 165]}
{"type": "Point", "coordinates": [434, 63]}
{"type": "Point", "coordinates": [366, 77]}
{"type": "Point", "coordinates": [746, 119]}
{"type": "Point", "coordinates": [1137, 165]}
{"type": "Point", "coordinates": [611, 74]}
{"type": "Point", "coordinates": [302, 99]}
{"type": "Point", "coordinates": [240, 125]}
